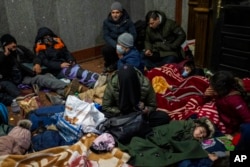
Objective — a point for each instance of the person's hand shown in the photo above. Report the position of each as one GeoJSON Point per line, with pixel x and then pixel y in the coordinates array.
{"type": "Point", "coordinates": [65, 65]}
{"type": "Point", "coordinates": [210, 92]}
{"type": "Point", "coordinates": [212, 157]}
{"type": "Point", "coordinates": [37, 68]}
{"type": "Point", "coordinates": [119, 56]}
{"type": "Point", "coordinates": [141, 105]}
{"type": "Point", "coordinates": [148, 53]}
{"type": "Point", "coordinates": [72, 62]}
{"type": "Point", "coordinates": [7, 51]}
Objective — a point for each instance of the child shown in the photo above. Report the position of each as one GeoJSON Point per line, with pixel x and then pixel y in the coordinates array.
{"type": "Point", "coordinates": [189, 69]}
{"type": "Point", "coordinates": [127, 53]}
{"type": "Point", "coordinates": [230, 100]}
{"type": "Point", "coordinates": [170, 143]}
{"type": "Point", "coordinates": [18, 139]}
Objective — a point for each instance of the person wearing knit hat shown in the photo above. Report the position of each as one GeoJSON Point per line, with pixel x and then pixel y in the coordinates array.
{"type": "Point", "coordinates": [126, 40]}
{"type": "Point", "coordinates": [117, 22]}
{"type": "Point", "coordinates": [127, 53]}
{"type": "Point", "coordinates": [7, 39]}
{"type": "Point", "coordinates": [18, 139]}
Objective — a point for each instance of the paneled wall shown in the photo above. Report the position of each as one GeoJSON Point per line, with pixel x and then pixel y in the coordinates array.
{"type": "Point", "coordinates": [78, 22]}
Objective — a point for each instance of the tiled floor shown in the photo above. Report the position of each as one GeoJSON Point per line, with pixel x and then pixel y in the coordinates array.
{"type": "Point", "coordinates": [95, 65]}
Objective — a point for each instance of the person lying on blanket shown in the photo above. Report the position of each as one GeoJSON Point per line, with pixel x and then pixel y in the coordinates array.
{"type": "Point", "coordinates": [189, 69]}
{"type": "Point", "coordinates": [230, 99]}
{"type": "Point", "coordinates": [171, 143]}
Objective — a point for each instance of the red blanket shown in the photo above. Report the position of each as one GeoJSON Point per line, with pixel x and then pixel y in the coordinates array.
{"type": "Point", "coordinates": [186, 98]}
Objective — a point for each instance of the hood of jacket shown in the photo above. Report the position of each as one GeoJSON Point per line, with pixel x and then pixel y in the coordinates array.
{"type": "Point", "coordinates": [43, 31]}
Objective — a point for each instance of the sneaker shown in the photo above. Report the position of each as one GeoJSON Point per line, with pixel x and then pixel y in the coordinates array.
{"type": "Point", "coordinates": [73, 87]}
{"type": "Point", "coordinates": [102, 79]}
{"type": "Point", "coordinates": [55, 99]}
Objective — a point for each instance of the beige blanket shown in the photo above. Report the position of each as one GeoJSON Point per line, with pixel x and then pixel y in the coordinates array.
{"type": "Point", "coordinates": [78, 154]}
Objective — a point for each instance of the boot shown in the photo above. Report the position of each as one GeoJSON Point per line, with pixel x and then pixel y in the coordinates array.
{"type": "Point", "coordinates": [73, 87]}
{"type": "Point", "coordinates": [55, 99]}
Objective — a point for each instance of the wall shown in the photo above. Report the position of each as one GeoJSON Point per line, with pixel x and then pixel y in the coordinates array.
{"type": "Point", "coordinates": [78, 22]}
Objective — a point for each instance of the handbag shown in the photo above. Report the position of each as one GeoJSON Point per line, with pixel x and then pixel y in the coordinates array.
{"type": "Point", "coordinates": [123, 127]}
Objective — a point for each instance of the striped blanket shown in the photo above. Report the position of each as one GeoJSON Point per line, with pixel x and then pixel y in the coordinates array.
{"type": "Point", "coordinates": [184, 97]}
{"type": "Point", "coordinates": [76, 155]}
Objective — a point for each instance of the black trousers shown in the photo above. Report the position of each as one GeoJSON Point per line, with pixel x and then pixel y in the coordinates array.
{"type": "Point", "coordinates": [109, 55]}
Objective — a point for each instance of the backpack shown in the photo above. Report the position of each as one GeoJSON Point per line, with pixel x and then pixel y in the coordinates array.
{"type": "Point", "coordinates": [140, 27]}
{"type": "Point", "coordinates": [4, 118]}
{"type": "Point", "coordinates": [44, 116]}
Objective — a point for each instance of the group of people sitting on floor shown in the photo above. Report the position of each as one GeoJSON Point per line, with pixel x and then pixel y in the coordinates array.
{"type": "Point", "coordinates": [129, 87]}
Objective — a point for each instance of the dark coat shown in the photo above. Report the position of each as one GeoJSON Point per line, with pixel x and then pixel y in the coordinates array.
{"type": "Point", "coordinates": [50, 56]}
{"type": "Point", "coordinates": [111, 94]}
{"type": "Point", "coordinates": [166, 39]}
{"type": "Point", "coordinates": [112, 29]}
{"type": "Point", "coordinates": [167, 145]}
{"type": "Point", "coordinates": [22, 55]}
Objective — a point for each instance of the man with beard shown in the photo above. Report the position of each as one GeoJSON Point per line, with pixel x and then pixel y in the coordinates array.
{"type": "Point", "coordinates": [162, 41]}
{"type": "Point", "coordinates": [117, 22]}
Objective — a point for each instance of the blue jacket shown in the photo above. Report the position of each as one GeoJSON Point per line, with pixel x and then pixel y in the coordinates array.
{"type": "Point", "coordinates": [112, 29]}
{"type": "Point", "coordinates": [132, 57]}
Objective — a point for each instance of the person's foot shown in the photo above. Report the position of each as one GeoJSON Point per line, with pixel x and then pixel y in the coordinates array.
{"type": "Point", "coordinates": [102, 79]}
{"type": "Point", "coordinates": [73, 87]}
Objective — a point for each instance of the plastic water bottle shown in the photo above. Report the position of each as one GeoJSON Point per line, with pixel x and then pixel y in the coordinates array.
{"type": "Point", "coordinates": [15, 107]}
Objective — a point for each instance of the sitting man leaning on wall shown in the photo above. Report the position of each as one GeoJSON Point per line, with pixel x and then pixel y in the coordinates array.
{"type": "Point", "coordinates": [163, 40]}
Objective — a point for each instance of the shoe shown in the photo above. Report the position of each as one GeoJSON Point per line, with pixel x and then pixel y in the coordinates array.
{"type": "Point", "coordinates": [55, 99]}
{"type": "Point", "coordinates": [73, 87]}
{"type": "Point", "coordinates": [110, 68]}
{"type": "Point", "coordinates": [102, 79]}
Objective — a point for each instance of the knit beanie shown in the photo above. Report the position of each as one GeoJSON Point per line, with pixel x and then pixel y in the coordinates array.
{"type": "Point", "coordinates": [116, 6]}
{"type": "Point", "coordinates": [126, 40]}
{"type": "Point", "coordinates": [22, 134]}
{"type": "Point", "coordinates": [7, 39]}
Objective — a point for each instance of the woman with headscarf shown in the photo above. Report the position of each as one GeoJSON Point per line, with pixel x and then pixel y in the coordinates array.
{"type": "Point", "coordinates": [128, 91]}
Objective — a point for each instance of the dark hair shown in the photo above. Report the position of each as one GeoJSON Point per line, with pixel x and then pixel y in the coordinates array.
{"type": "Point", "coordinates": [154, 14]}
{"type": "Point", "coordinates": [190, 64]}
{"type": "Point", "coordinates": [223, 82]}
{"type": "Point", "coordinates": [203, 124]}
